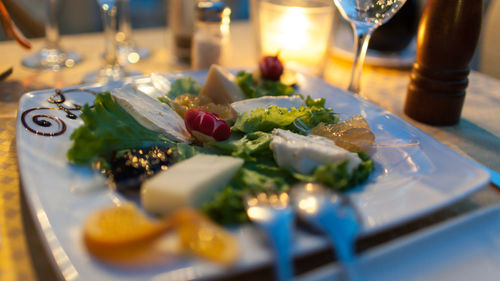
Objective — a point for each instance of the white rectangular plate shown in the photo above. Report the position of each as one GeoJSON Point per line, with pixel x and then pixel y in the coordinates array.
{"type": "Point", "coordinates": [414, 175]}
{"type": "Point", "coordinates": [464, 249]}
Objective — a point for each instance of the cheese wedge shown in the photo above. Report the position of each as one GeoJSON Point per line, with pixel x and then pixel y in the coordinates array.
{"type": "Point", "coordinates": [189, 183]}
{"type": "Point", "coordinates": [220, 86]}
{"type": "Point", "coordinates": [265, 102]}
{"type": "Point", "coordinates": [305, 153]}
{"type": "Point", "coordinates": [152, 113]}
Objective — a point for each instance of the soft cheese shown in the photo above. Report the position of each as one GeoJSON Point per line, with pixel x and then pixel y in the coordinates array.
{"type": "Point", "coordinates": [188, 183]}
{"type": "Point", "coordinates": [220, 86]}
{"type": "Point", "coordinates": [265, 102]}
{"type": "Point", "coordinates": [305, 153]}
{"type": "Point", "coordinates": [151, 113]}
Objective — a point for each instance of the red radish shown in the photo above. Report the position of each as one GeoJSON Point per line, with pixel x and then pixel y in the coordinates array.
{"type": "Point", "coordinates": [206, 126]}
{"type": "Point", "coordinates": [271, 67]}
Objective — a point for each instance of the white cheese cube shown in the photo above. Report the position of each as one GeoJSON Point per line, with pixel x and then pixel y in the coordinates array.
{"type": "Point", "coordinates": [189, 183]}
{"type": "Point", "coordinates": [265, 102]}
{"type": "Point", "coordinates": [220, 86]}
{"type": "Point", "coordinates": [152, 113]}
{"type": "Point", "coordinates": [305, 153]}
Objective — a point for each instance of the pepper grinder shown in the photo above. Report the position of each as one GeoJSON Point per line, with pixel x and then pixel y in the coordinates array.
{"type": "Point", "coordinates": [181, 24]}
{"type": "Point", "coordinates": [447, 38]}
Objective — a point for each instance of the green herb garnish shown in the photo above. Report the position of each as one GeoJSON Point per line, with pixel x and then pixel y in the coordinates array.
{"type": "Point", "coordinates": [264, 88]}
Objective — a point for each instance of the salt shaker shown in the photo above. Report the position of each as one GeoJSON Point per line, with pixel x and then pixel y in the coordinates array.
{"type": "Point", "coordinates": [447, 38]}
{"type": "Point", "coordinates": [211, 36]}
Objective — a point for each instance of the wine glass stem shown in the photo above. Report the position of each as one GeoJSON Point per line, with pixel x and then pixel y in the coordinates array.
{"type": "Point", "coordinates": [125, 27]}
{"type": "Point", "coordinates": [109, 19]}
{"type": "Point", "coordinates": [51, 27]}
{"type": "Point", "coordinates": [361, 39]}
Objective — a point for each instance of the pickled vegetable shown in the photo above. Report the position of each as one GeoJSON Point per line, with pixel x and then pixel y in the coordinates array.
{"type": "Point", "coordinates": [270, 68]}
{"type": "Point", "coordinates": [206, 126]}
{"type": "Point", "coordinates": [353, 134]}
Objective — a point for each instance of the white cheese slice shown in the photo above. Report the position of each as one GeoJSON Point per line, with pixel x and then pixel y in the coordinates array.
{"type": "Point", "coordinates": [305, 153]}
{"type": "Point", "coordinates": [188, 183]}
{"type": "Point", "coordinates": [220, 86]}
{"type": "Point", "coordinates": [152, 113]}
{"type": "Point", "coordinates": [250, 104]}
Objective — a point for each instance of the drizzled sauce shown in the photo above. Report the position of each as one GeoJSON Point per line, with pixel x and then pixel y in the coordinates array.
{"type": "Point", "coordinates": [41, 122]}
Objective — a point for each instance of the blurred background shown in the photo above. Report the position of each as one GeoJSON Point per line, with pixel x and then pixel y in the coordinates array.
{"type": "Point", "coordinates": [82, 16]}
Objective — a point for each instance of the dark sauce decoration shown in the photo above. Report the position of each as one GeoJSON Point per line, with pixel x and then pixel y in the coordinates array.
{"type": "Point", "coordinates": [396, 34]}
{"type": "Point", "coordinates": [42, 121]}
{"type": "Point", "coordinates": [129, 168]}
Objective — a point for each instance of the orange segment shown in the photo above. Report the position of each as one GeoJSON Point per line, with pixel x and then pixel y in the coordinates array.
{"type": "Point", "coordinates": [116, 230]}
{"type": "Point", "coordinates": [123, 234]}
{"type": "Point", "coordinates": [202, 237]}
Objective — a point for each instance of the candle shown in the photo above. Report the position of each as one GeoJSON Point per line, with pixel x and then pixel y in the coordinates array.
{"type": "Point", "coordinates": [299, 34]}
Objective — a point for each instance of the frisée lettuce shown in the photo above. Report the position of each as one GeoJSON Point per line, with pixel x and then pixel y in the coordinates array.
{"type": "Point", "coordinates": [265, 88]}
{"type": "Point", "coordinates": [265, 120]}
{"type": "Point", "coordinates": [108, 127]}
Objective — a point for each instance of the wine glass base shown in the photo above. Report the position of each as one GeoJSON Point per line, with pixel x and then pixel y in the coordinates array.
{"type": "Point", "coordinates": [128, 54]}
{"type": "Point", "coordinates": [52, 59]}
{"type": "Point", "coordinates": [109, 74]}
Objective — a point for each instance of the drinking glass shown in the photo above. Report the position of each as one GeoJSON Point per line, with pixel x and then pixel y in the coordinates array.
{"type": "Point", "coordinates": [297, 30]}
{"type": "Point", "coordinates": [52, 56]}
{"type": "Point", "coordinates": [365, 16]}
{"type": "Point", "coordinates": [128, 51]}
{"type": "Point", "coordinates": [112, 69]}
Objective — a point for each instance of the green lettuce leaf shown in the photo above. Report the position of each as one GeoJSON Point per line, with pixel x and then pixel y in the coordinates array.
{"type": "Point", "coordinates": [316, 103]}
{"type": "Point", "coordinates": [336, 176]}
{"type": "Point", "coordinates": [185, 85]}
{"type": "Point", "coordinates": [249, 147]}
{"type": "Point", "coordinates": [108, 127]}
{"type": "Point", "coordinates": [228, 206]}
{"type": "Point", "coordinates": [261, 174]}
{"type": "Point", "coordinates": [265, 88]}
{"type": "Point", "coordinates": [266, 120]}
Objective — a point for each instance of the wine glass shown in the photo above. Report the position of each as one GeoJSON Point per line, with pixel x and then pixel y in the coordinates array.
{"type": "Point", "coordinates": [128, 51]}
{"type": "Point", "coordinates": [365, 16]}
{"type": "Point", "coordinates": [112, 69]}
{"type": "Point", "coordinates": [51, 56]}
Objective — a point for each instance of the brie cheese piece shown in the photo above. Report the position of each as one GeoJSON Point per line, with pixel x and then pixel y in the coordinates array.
{"type": "Point", "coordinates": [250, 104]}
{"type": "Point", "coordinates": [220, 86]}
{"type": "Point", "coordinates": [189, 183]}
{"type": "Point", "coordinates": [305, 153]}
{"type": "Point", "coordinates": [152, 113]}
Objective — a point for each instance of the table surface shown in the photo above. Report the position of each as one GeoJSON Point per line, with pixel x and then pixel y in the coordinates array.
{"type": "Point", "coordinates": [22, 256]}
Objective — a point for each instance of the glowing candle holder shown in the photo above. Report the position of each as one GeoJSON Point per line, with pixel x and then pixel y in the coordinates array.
{"type": "Point", "coordinates": [299, 30]}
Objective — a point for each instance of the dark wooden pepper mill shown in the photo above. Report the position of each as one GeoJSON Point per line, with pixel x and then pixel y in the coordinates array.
{"type": "Point", "coordinates": [447, 38]}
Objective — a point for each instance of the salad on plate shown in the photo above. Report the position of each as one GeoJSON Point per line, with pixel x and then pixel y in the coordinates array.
{"type": "Point", "coordinates": [189, 157]}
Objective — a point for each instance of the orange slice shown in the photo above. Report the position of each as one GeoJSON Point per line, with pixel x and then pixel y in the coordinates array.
{"type": "Point", "coordinates": [123, 235]}
{"type": "Point", "coordinates": [121, 231]}
{"type": "Point", "coordinates": [204, 238]}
